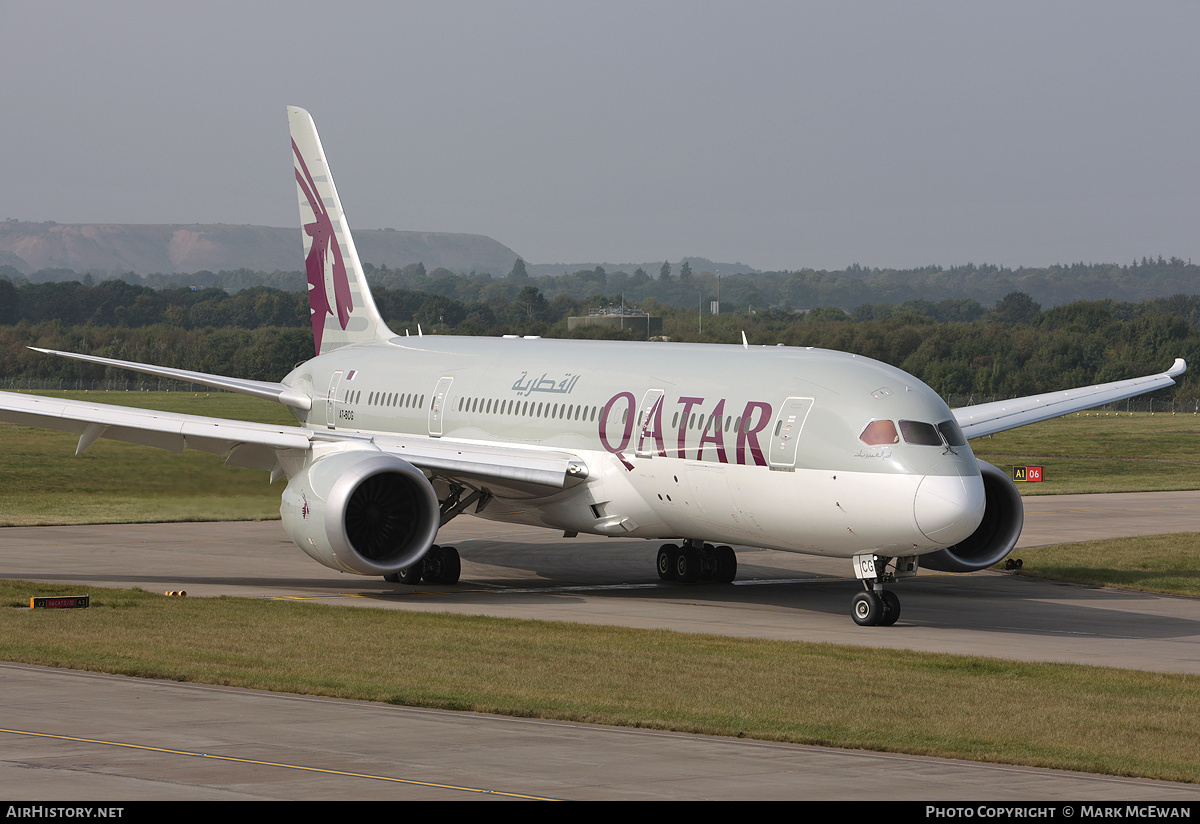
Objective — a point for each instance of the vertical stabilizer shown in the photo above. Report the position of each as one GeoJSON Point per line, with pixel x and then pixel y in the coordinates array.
{"type": "Point", "coordinates": [339, 299]}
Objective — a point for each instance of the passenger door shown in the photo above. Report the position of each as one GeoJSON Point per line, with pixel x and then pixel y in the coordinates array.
{"type": "Point", "coordinates": [785, 437]}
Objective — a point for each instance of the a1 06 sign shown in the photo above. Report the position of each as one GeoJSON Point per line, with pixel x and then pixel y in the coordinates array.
{"type": "Point", "coordinates": [1030, 474]}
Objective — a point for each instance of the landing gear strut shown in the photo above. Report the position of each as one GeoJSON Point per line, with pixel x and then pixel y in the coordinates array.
{"type": "Point", "coordinates": [441, 565]}
{"type": "Point", "coordinates": [696, 561]}
{"type": "Point", "coordinates": [876, 606]}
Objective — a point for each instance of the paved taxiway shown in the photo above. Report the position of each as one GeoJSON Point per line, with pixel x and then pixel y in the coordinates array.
{"type": "Point", "coordinates": [515, 571]}
{"type": "Point", "coordinates": [103, 737]}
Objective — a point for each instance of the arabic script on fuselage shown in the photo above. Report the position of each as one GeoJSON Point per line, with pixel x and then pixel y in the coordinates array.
{"type": "Point", "coordinates": [557, 386]}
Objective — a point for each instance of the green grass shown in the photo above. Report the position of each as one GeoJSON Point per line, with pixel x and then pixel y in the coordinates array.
{"type": "Point", "coordinates": [1167, 564]}
{"type": "Point", "coordinates": [1047, 715]}
{"type": "Point", "coordinates": [1094, 452]}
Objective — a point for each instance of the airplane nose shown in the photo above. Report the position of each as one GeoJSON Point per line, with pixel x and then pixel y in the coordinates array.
{"type": "Point", "coordinates": [949, 507]}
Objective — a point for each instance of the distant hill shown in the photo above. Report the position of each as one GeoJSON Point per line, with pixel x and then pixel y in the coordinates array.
{"type": "Point", "coordinates": [170, 248]}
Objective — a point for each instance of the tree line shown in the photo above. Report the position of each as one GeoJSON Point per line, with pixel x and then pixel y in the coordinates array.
{"type": "Point", "coordinates": [678, 285]}
{"type": "Point", "coordinates": [958, 347]}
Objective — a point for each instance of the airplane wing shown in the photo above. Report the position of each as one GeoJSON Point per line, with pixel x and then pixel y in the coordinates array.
{"type": "Point", "coordinates": [256, 445]}
{"type": "Point", "coordinates": [259, 389]}
{"type": "Point", "coordinates": [989, 418]}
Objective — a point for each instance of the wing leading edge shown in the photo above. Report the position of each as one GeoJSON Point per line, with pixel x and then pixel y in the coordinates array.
{"type": "Point", "coordinates": [259, 389]}
{"type": "Point", "coordinates": [989, 418]}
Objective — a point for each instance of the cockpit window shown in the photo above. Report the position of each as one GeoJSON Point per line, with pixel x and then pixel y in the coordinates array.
{"type": "Point", "coordinates": [920, 433]}
{"type": "Point", "coordinates": [879, 433]}
{"type": "Point", "coordinates": [952, 433]}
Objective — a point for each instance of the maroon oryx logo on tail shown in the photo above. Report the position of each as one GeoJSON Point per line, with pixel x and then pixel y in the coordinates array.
{"type": "Point", "coordinates": [321, 232]}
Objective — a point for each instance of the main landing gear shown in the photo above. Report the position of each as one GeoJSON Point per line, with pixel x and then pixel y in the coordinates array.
{"type": "Point", "coordinates": [697, 561]}
{"type": "Point", "coordinates": [876, 606]}
{"type": "Point", "coordinates": [441, 565]}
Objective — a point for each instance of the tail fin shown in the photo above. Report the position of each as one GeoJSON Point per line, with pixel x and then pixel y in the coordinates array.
{"type": "Point", "coordinates": [329, 253]}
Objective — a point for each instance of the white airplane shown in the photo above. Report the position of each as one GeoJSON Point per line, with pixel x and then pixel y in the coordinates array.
{"type": "Point", "coordinates": [796, 449]}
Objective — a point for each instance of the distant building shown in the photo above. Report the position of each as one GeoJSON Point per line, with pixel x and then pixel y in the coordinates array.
{"type": "Point", "coordinates": [619, 317]}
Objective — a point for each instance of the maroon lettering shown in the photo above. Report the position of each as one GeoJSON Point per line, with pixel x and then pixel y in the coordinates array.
{"type": "Point", "coordinates": [652, 427]}
{"type": "Point", "coordinates": [716, 437]}
{"type": "Point", "coordinates": [756, 417]}
{"type": "Point", "coordinates": [748, 434]}
{"type": "Point", "coordinates": [688, 403]}
{"type": "Point", "coordinates": [627, 435]}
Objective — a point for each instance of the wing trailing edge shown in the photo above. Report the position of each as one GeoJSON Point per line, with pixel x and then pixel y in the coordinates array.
{"type": "Point", "coordinates": [164, 430]}
{"type": "Point", "coordinates": [524, 470]}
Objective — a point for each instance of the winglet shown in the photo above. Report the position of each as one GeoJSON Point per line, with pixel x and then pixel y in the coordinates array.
{"type": "Point", "coordinates": [1177, 368]}
{"type": "Point", "coordinates": [343, 311]}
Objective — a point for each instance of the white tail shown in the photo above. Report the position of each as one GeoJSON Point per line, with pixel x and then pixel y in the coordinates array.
{"type": "Point", "coordinates": [329, 254]}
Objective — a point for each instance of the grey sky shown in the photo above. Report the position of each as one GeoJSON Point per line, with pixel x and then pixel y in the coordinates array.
{"type": "Point", "coordinates": [781, 135]}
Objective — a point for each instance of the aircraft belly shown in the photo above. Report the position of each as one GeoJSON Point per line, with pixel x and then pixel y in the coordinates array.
{"type": "Point", "coordinates": [838, 513]}
{"type": "Point", "coordinates": [811, 511]}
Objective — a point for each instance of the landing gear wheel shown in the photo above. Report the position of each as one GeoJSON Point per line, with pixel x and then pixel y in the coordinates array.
{"type": "Point", "coordinates": [442, 565]}
{"type": "Point", "coordinates": [891, 608]}
{"type": "Point", "coordinates": [866, 608]}
{"type": "Point", "coordinates": [667, 556]}
{"type": "Point", "coordinates": [412, 575]}
{"type": "Point", "coordinates": [687, 565]}
{"type": "Point", "coordinates": [726, 569]}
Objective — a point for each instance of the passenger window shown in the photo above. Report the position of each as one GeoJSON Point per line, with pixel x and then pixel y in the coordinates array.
{"type": "Point", "coordinates": [879, 433]}
{"type": "Point", "coordinates": [920, 433]}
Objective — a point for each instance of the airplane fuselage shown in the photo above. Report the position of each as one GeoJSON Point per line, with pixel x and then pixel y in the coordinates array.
{"type": "Point", "coordinates": [759, 446]}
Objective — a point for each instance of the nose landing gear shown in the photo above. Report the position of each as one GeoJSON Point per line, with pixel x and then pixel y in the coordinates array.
{"type": "Point", "coordinates": [875, 609]}
{"type": "Point", "coordinates": [876, 606]}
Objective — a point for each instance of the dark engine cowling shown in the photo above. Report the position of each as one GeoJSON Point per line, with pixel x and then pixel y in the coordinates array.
{"type": "Point", "coordinates": [997, 534]}
{"type": "Point", "coordinates": [361, 511]}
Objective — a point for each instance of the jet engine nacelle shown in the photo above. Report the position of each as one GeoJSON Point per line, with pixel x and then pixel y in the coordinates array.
{"type": "Point", "coordinates": [1003, 517]}
{"type": "Point", "coordinates": [361, 511]}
